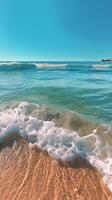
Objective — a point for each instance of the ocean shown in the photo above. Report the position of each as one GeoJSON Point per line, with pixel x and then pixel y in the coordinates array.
{"type": "Point", "coordinates": [64, 108]}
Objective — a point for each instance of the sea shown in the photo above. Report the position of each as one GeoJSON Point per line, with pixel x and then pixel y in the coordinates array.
{"type": "Point", "coordinates": [64, 108]}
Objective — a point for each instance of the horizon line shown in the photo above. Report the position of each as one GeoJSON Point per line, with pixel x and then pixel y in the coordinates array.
{"type": "Point", "coordinates": [49, 60]}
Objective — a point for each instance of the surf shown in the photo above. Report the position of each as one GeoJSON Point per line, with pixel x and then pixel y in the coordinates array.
{"type": "Point", "coordinates": [62, 144]}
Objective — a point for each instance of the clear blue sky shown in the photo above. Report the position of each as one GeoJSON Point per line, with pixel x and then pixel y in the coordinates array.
{"type": "Point", "coordinates": [55, 29]}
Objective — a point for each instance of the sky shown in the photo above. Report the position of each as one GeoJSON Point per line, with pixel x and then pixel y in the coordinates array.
{"type": "Point", "coordinates": [55, 29]}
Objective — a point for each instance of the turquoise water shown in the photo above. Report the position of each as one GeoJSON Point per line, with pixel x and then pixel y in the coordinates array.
{"type": "Point", "coordinates": [63, 108]}
{"type": "Point", "coordinates": [82, 87]}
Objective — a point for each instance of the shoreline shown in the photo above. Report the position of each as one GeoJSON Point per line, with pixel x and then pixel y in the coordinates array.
{"type": "Point", "coordinates": [35, 175]}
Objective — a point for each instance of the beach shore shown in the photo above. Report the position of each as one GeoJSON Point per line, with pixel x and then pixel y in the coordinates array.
{"type": "Point", "coordinates": [30, 174]}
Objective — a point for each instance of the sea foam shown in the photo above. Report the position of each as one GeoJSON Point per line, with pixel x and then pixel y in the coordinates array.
{"type": "Point", "coordinates": [9, 63]}
{"type": "Point", "coordinates": [62, 144]}
{"type": "Point", "coordinates": [102, 66]}
{"type": "Point", "coordinates": [50, 65]}
{"type": "Point", "coordinates": [44, 65]}
{"type": "Point", "coordinates": [32, 64]}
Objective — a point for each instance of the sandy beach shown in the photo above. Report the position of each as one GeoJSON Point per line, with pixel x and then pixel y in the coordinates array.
{"type": "Point", "coordinates": [30, 174]}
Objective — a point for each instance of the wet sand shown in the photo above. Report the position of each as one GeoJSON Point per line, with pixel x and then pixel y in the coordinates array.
{"type": "Point", "coordinates": [30, 174]}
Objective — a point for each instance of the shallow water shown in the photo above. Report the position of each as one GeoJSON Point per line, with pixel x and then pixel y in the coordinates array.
{"type": "Point", "coordinates": [64, 108]}
{"type": "Point", "coordinates": [82, 87]}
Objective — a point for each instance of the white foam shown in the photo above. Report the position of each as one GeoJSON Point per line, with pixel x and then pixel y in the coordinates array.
{"type": "Point", "coordinates": [49, 65]}
{"type": "Point", "coordinates": [9, 63]}
{"type": "Point", "coordinates": [102, 66]}
{"type": "Point", "coordinates": [37, 65]}
{"type": "Point", "coordinates": [61, 144]}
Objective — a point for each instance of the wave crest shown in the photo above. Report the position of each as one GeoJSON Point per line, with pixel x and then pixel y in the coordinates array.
{"type": "Point", "coordinates": [102, 66]}
{"type": "Point", "coordinates": [9, 63]}
{"type": "Point", "coordinates": [42, 65]}
{"type": "Point", "coordinates": [49, 65]}
{"type": "Point", "coordinates": [26, 65]}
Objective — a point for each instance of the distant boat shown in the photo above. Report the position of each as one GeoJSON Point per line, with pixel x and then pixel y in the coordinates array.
{"type": "Point", "coordinates": [107, 60]}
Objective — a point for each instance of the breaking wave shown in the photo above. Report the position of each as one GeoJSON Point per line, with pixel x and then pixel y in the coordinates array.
{"type": "Point", "coordinates": [102, 66]}
{"type": "Point", "coordinates": [31, 64]}
{"type": "Point", "coordinates": [42, 65]}
{"type": "Point", "coordinates": [62, 144]}
{"type": "Point", "coordinates": [9, 63]}
{"type": "Point", "coordinates": [49, 65]}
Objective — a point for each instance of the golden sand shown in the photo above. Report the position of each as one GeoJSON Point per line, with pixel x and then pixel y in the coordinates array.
{"type": "Point", "coordinates": [30, 174]}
